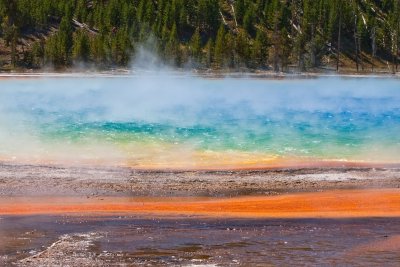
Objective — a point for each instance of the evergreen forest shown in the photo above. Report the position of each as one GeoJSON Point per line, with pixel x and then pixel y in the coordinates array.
{"type": "Point", "coordinates": [276, 35]}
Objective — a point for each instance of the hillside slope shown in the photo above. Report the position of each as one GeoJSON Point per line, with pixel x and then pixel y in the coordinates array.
{"type": "Point", "coordinates": [278, 35]}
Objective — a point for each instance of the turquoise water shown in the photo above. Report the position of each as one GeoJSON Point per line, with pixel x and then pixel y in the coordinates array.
{"type": "Point", "coordinates": [197, 121]}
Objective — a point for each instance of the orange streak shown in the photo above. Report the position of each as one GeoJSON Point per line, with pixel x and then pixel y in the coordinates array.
{"type": "Point", "coordinates": [332, 204]}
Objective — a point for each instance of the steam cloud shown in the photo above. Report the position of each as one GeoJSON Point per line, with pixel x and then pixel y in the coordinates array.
{"type": "Point", "coordinates": [300, 117]}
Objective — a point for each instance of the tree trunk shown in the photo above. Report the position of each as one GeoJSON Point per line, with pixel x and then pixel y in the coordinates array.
{"type": "Point", "coordinates": [301, 62]}
{"type": "Point", "coordinates": [397, 34]}
{"type": "Point", "coordinates": [360, 52]}
{"type": "Point", "coordinates": [355, 39]}
{"type": "Point", "coordinates": [396, 52]}
{"type": "Point", "coordinates": [394, 58]}
{"type": "Point", "coordinates": [373, 46]}
{"type": "Point", "coordinates": [312, 56]}
{"type": "Point", "coordinates": [339, 37]}
{"type": "Point", "coordinates": [276, 49]}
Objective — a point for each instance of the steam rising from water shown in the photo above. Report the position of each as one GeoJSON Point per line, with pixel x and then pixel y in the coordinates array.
{"type": "Point", "coordinates": [180, 121]}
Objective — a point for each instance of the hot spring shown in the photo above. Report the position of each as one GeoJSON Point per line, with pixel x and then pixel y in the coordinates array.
{"type": "Point", "coordinates": [157, 121]}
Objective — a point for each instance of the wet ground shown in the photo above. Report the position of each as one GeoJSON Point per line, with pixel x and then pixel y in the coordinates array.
{"type": "Point", "coordinates": [190, 241]}
{"type": "Point", "coordinates": [141, 240]}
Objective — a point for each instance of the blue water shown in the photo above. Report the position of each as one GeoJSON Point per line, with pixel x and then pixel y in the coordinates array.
{"type": "Point", "coordinates": [329, 118]}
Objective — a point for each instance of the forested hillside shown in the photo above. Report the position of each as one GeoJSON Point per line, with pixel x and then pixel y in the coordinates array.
{"type": "Point", "coordinates": [279, 35]}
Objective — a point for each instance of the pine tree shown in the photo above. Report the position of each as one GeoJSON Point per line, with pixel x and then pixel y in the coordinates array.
{"type": "Point", "coordinates": [14, 42]}
{"type": "Point", "coordinates": [37, 54]}
{"type": "Point", "coordinates": [209, 59]}
{"type": "Point", "coordinates": [230, 54]}
{"type": "Point", "coordinates": [172, 48]}
{"type": "Point", "coordinates": [81, 47]}
{"type": "Point", "coordinates": [208, 15]}
{"type": "Point", "coordinates": [285, 49]}
{"type": "Point", "coordinates": [195, 46]}
{"type": "Point", "coordinates": [240, 10]}
{"type": "Point", "coordinates": [248, 21]}
{"type": "Point", "coordinates": [65, 39]}
{"type": "Point", "coordinates": [302, 33]}
{"type": "Point", "coordinates": [243, 49]}
{"type": "Point", "coordinates": [260, 50]}
{"type": "Point", "coordinates": [97, 48]}
{"type": "Point", "coordinates": [219, 47]}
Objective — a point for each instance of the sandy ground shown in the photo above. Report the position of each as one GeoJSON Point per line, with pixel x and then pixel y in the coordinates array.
{"type": "Point", "coordinates": [284, 193]}
{"type": "Point", "coordinates": [383, 73]}
{"type": "Point", "coordinates": [31, 180]}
